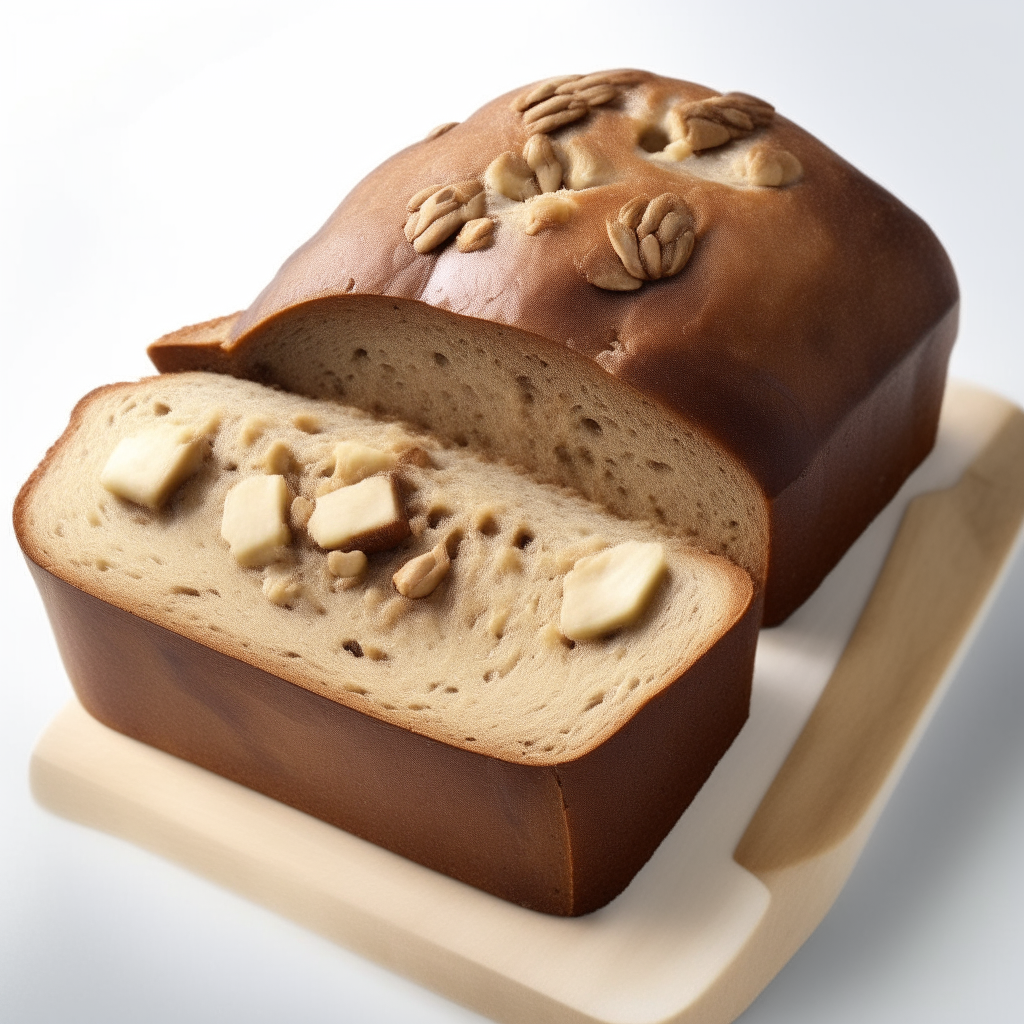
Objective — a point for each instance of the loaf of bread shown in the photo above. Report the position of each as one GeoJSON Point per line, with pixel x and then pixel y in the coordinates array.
{"type": "Point", "coordinates": [485, 673]}
{"type": "Point", "coordinates": [593, 269]}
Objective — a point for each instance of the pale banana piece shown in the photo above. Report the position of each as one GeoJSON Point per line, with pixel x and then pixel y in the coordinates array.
{"type": "Point", "coordinates": [254, 520]}
{"type": "Point", "coordinates": [148, 468]}
{"type": "Point", "coordinates": [347, 564]}
{"type": "Point", "coordinates": [354, 462]}
{"type": "Point", "coordinates": [611, 589]}
{"type": "Point", "coordinates": [348, 514]}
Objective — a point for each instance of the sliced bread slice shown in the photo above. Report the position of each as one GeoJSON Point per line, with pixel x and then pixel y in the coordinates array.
{"type": "Point", "coordinates": [424, 659]}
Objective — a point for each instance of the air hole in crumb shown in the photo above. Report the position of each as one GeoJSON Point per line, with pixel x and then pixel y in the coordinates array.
{"type": "Point", "coordinates": [440, 359]}
{"type": "Point", "coordinates": [230, 467]}
{"type": "Point", "coordinates": [354, 688]}
{"type": "Point", "coordinates": [161, 409]}
{"type": "Point", "coordinates": [185, 591]}
{"type": "Point", "coordinates": [102, 564]}
{"type": "Point", "coordinates": [419, 707]}
{"type": "Point", "coordinates": [522, 539]}
{"type": "Point", "coordinates": [436, 516]}
{"type": "Point", "coordinates": [658, 467]}
{"type": "Point", "coordinates": [451, 689]}
{"type": "Point", "coordinates": [353, 647]}
{"type": "Point", "coordinates": [306, 423]}
{"type": "Point", "coordinates": [591, 426]}
{"type": "Point", "coordinates": [471, 739]}
{"type": "Point", "coordinates": [452, 543]}
{"type": "Point", "coordinates": [292, 654]}
{"type": "Point", "coordinates": [360, 353]}
{"type": "Point", "coordinates": [595, 700]}
{"type": "Point", "coordinates": [488, 526]}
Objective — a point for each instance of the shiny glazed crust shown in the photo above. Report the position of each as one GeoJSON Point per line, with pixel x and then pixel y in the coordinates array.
{"type": "Point", "coordinates": [807, 333]}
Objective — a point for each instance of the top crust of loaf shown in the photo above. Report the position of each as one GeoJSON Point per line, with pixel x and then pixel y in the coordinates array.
{"type": "Point", "coordinates": [796, 302]}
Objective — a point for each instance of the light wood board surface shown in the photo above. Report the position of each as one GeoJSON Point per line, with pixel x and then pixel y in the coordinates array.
{"type": "Point", "coordinates": [842, 692]}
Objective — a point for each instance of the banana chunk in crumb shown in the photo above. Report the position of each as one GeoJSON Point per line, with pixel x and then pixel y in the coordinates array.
{"type": "Point", "coordinates": [254, 520]}
{"type": "Point", "coordinates": [149, 467]}
{"type": "Point", "coordinates": [606, 591]}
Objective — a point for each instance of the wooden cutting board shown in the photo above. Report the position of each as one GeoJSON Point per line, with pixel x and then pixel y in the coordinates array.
{"type": "Point", "coordinates": [842, 693]}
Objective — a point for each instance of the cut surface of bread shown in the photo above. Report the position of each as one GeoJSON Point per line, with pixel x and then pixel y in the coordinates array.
{"type": "Point", "coordinates": [478, 662]}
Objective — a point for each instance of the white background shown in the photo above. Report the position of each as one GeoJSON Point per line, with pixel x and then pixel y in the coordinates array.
{"type": "Point", "coordinates": [159, 161]}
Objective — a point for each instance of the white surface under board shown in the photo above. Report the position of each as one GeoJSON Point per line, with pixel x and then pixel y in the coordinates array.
{"type": "Point", "coordinates": [149, 180]}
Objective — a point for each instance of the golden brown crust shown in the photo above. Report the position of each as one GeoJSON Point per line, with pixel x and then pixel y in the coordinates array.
{"type": "Point", "coordinates": [796, 304]}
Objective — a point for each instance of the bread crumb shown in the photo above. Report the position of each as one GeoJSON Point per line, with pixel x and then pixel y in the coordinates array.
{"type": "Point", "coordinates": [208, 426]}
{"type": "Point", "coordinates": [391, 612]}
{"type": "Point", "coordinates": [278, 459]}
{"type": "Point", "coordinates": [301, 510]}
{"type": "Point", "coordinates": [509, 560]}
{"type": "Point", "coordinates": [496, 625]}
{"type": "Point", "coordinates": [568, 557]}
{"type": "Point", "coordinates": [252, 429]}
{"type": "Point", "coordinates": [550, 636]}
{"type": "Point", "coordinates": [346, 564]}
{"type": "Point", "coordinates": [307, 423]}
